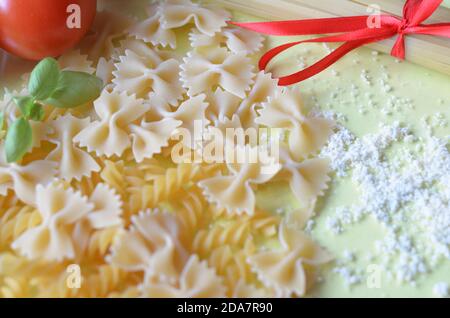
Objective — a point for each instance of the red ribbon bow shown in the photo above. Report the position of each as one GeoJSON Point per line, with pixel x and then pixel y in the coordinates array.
{"type": "Point", "coordinates": [357, 33]}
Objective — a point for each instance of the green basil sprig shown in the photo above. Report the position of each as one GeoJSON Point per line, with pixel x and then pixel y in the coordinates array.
{"type": "Point", "coordinates": [48, 85]}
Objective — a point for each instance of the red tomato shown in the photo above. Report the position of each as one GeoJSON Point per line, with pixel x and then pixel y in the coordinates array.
{"type": "Point", "coordinates": [35, 29]}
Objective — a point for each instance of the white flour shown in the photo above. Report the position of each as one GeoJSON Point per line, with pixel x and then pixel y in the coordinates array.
{"type": "Point", "coordinates": [407, 191]}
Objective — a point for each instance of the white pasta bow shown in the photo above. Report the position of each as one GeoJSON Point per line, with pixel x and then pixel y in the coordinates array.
{"type": "Point", "coordinates": [202, 71]}
{"type": "Point", "coordinates": [283, 269]}
{"type": "Point", "coordinates": [287, 111]}
{"type": "Point", "coordinates": [263, 89]}
{"type": "Point", "coordinates": [237, 40]}
{"type": "Point", "coordinates": [119, 128]}
{"type": "Point", "coordinates": [197, 280]}
{"type": "Point", "coordinates": [60, 209]}
{"type": "Point", "coordinates": [110, 134]}
{"type": "Point", "coordinates": [151, 31]}
{"type": "Point", "coordinates": [190, 115]}
{"type": "Point", "coordinates": [143, 49]}
{"type": "Point", "coordinates": [74, 163]}
{"type": "Point", "coordinates": [105, 214]}
{"type": "Point", "coordinates": [107, 207]}
{"type": "Point", "coordinates": [145, 72]}
{"type": "Point", "coordinates": [105, 69]}
{"type": "Point", "coordinates": [75, 61]}
{"type": "Point", "coordinates": [234, 192]}
{"type": "Point", "coordinates": [107, 27]}
{"type": "Point", "coordinates": [243, 290]}
{"type": "Point", "coordinates": [152, 245]}
{"type": "Point", "coordinates": [178, 13]}
{"type": "Point", "coordinates": [223, 104]}
{"type": "Point", "coordinates": [23, 179]}
{"type": "Point", "coordinates": [307, 179]}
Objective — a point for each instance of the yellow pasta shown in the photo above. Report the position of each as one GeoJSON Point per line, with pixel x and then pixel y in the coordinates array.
{"type": "Point", "coordinates": [100, 207]}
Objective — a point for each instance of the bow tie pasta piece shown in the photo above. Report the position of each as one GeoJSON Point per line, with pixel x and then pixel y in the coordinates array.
{"type": "Point", "coordinates": [143, 74]}
{"type": "Point", "coordinates": [192, 112]}
{"type": "Point", "coordinates": [75, 61]}
{"type": "Point", "coordinates": [74, 163]}
{"type": "Point", "coordinates": [308, 179]}
{"type": "Point", "coordinates": [234, 192]}
{"type": "Point", "coordinates": [190, 117]}
{"type": "Point", "coordinates": [237, 40]}
{"type": "Point", "coordinates": [152, 245]}
{"type": "Point", "coordinates": [23, 179]}
{"type": "Point", "coordinates": [287, 270]}
{"type": "Point", "coordinates": [60, 209]}
{"type": "Point", "coordinates": [107, 208]}
{"type": "Point", "coordinates": [150, 137]}
{"type": "Point", "coordinates": [107, 27]}
{"type": "Point", "coordinates": [243, 290]}
{"type": "Point", "coordinates": [203, 71]}
{"type": "Point", "coordinates": [232, 134]}
{"type": "Point", "coordinates": [222, 104]}
{"type": "Point", "coordinates": [105, 69]}
{"type": "Point", "coordinates": [110, 135]}
{"type": "Point", "coordinates": [151, 31]}
{"type": "Point", "coordinates": [263, 89]}
{"type": "Point", "coordinates": [143, 49]}
{"type": "Point", "coordinates": [305, 134]}
{"type": "Point", "coordinates": [178, 13]}
{"type": "Point", "coordinates": [197, 280]}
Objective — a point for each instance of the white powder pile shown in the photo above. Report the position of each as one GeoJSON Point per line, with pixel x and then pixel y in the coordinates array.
{"type": "Point", "coordinates": [441, 289]}
{"type": "Point", "coordinates": [406, 190]}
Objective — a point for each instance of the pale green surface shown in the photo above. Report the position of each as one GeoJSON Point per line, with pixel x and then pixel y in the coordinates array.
{"type": "Point", "coordinates": [430, 93]}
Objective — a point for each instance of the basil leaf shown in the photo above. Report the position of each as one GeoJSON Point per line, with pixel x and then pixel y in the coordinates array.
{"type": "Point", "coordinates": [18, 140]}
{"type": "Point", "coordinates": [29, 108]}
{"type": "Point", "coordinates": [2, 120]}
{"type": "Point", "coordinates": [36, 112]}
{"type": "Point", "coordinates": [44, 78]}
{"type": "Point", "coordinates": [75, 89]}
{"type": "Point", "coordinates": [25, 104]}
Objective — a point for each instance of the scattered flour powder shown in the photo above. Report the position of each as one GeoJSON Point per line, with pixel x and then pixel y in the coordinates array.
{"type": "Point", "coordinates": [406, 190]}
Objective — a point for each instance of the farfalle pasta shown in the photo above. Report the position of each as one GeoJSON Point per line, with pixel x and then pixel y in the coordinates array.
{"type": "Point", "coordinates": [234, 192]}
{"type": "Point", "coordinates": [197, 280]}
{"type": "Point", "coordinates": [153, 246]}
{"type": "Point", "coordinates": [150, 137]}
{"type": "Point", "coordinates": [60, 209]}
{"type": "Point", "coordinates": [307, 179]}
{"type": "Point", "coordinates": [147, 73]}
{"type": "Point", "coordinates": [110, 135]}
{"type": "Point", "coordinates": [235, 39]}
{"type": "Point", "coordinates": [177, 13]}
{"type": "Point", "coordinates": [203, 71]}
{"type": "Point", "coordinates": [107, 208]}
{"type": "Point", "coordinates": [287, 111]}
{"type": "Point", "coordinates": [285, 270]}
{"type": "Point", "coordinates": [75, 61]}
{"type": "Point", "coordinates": [74, 163]}
{"type": "Point", "coordinates": [103, 187]}
{"type": "Point", "coordinates": [23, 179]}
{"type": "Point", "coordinates": [108, 26]}
{"type": "Point", "coordinates": [151, 31]}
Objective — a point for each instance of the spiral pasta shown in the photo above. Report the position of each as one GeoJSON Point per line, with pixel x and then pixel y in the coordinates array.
{"type": "Point", "coordinates": [100, 206]}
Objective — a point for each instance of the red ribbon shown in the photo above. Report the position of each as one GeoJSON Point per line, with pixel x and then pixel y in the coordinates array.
{"type": "Point", "coordinates": [356, 33]}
